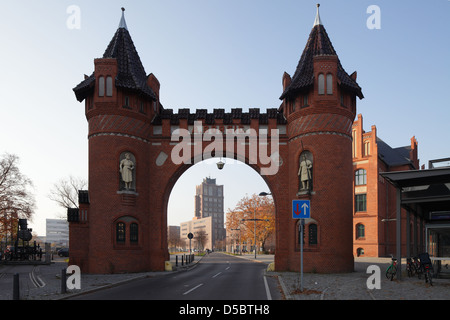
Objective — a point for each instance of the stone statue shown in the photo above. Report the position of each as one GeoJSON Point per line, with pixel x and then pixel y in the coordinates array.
{"type": "Point", "coordinates": [305, 173]}
{"type": "Point", "coordinates": [126, 170]}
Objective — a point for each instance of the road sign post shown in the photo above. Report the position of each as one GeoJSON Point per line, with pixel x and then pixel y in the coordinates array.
{"type": "Point", "coordinates": [190, 236]}
{"type": "Point", "coordinates": [301, 209]}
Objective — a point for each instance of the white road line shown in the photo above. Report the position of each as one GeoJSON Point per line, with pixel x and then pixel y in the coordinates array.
{"type": "Point", "coordinates": [216, 275]}
{"type": "Point", "coordinates": [193, 289]}
{"type": "Point", "coordinates": [269, 296]}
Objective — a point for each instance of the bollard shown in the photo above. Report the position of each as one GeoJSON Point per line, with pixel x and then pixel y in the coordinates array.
{"type": "Point", "coordinates": [176, 261]}
{"type": "Point", "coordinates": [182, 260]}
{"type": "Point", "coordinates": [63, 281]}
{"type": "Point", "coordinates": [16, 292]}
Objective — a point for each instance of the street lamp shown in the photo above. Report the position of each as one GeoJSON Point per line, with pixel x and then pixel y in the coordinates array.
{"type": "Point", "coordinates": [220, 164]}
{"type": "Point", "coordinates": [263, 194]}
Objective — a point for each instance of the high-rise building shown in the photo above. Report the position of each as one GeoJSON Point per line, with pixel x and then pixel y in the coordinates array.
{"type": "Point", "coordinates": [209, 203]}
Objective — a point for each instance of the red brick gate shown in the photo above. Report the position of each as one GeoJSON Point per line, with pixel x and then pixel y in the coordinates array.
{"type": "Point", "coordinates": [138, 150]}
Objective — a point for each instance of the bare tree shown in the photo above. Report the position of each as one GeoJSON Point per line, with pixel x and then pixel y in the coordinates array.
{"type": "Point", "coordinates": [201, 237]}
{"type": "Point", "coordinates": [65, 191]}
{"type": "Point", "coordinates": [16, 199]}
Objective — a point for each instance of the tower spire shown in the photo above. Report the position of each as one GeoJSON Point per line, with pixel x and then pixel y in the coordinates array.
{"type": "Point", "coordinates": [317, 21]}
{"type": "Point", "coordinates": [122, 23]}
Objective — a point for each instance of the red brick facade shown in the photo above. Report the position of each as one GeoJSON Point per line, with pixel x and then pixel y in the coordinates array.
{"type": "Point", "coordinates": [374, 225]}
{"type": "Point", "coordinates": [125, 230]}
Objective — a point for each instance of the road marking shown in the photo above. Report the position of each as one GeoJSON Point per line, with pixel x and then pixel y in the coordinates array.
{"type": "Point", "coordinates": [193, 289]}
{"type": "Point", "coordinates": [269, 296]}
{"type": "Point", "coordinates": [216, 274]}
{"type": "Point", "coordinates": [227, 268]}
{"type": "Point", "coordinates": [35, 279]}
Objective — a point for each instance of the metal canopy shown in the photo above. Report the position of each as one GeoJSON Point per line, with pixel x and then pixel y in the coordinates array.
{"type": "Point", "coordinates": [428, 189]}
{"type": "Point", "coordinates": [402, 179]}
{"type": "Point", "coordinates": [423, 191]}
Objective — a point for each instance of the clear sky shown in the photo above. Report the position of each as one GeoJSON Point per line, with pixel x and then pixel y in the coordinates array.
{"type": "Point", "coordinates": [214, 54]}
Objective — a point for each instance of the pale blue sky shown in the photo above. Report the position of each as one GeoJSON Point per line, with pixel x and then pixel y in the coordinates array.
{"type": "Point", "coordinates": [215, 54]}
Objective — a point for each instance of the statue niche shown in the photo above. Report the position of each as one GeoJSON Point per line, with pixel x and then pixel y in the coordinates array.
{"type": "Point", "coordinates": [127, 172]}
{"type": "Point", "coordinates": [305, 173]}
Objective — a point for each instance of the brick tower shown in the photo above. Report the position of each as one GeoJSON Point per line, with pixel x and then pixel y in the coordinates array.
{"type": "Point", "coordinates": [319, 103]}
{"type": "Point", "coordinates": [120, 101]}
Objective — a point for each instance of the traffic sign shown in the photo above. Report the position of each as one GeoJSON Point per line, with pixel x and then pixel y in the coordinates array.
{"type": "Point", "coordinates": [301, 209]}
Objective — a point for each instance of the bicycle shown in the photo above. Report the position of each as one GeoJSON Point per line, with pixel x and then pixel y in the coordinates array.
{"type": "Point", "coordinates": [410, 267]}
{"type": "Point", "coordinates": [426, 267]}
{"type": "Point", "coordinates": [417, 267]}
{"type": "Point", "coordinates": [391, 271]}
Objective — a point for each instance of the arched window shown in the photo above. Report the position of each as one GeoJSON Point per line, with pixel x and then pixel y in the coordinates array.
{"type": "Point", "coordinates": [360, 231]}
{"type": "Point", "coordinates": [120, 232]}
{"type": "Point", "coordinates": [360, 177]}
{"type": "Point", "coordinates": [312, 234]}
{"type": "Point", "coordinates": [321, 83]}
{"type": "Point", "coordinates": [109, 86]}
{"type": "Point", "coordinates": [101, 86]}
{"type": "Point", "coordinates": [329, 83]}
{"type": "Point", "coordinates": [134, 233]}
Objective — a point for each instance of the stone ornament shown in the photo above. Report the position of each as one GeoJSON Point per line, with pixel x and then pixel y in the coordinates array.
{"type": "Point", "coordinates": [305, 172]}
{"type": "Point", "coordinates": [126, 169]}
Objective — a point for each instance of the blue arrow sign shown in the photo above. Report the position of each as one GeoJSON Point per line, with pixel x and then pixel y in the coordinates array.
{"type": "Point", "coordinates": [301, 209]}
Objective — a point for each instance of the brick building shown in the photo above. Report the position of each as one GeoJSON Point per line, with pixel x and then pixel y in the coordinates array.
{"type": "Point", "coordinates": [374, 205]}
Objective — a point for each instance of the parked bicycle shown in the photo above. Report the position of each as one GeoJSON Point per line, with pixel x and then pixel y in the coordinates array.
{"type": "Point", "coordinates": [426, 267]}
{"type": "Point", "coordinates": [391, 271]}
{"type": "Point", "coordinates": [410, 267]}
{"type": "Point", "coordinates": [417, 267]}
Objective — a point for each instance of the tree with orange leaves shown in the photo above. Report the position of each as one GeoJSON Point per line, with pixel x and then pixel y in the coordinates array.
{"type": "Point", "coordinates": [252, 214]}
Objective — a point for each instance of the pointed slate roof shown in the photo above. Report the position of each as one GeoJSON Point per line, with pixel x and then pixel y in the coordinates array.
{"type": "Point", "coordinates": [131, 73]}
{"type": "Point", "coordinates": [318, 44]}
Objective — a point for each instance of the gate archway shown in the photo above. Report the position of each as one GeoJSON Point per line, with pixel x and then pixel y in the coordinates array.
{"type": "Point", "coordinates": [138, 149]}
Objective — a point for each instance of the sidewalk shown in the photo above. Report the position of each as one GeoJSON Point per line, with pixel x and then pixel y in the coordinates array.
{"type": "Point", "coordinates": [353, 286]}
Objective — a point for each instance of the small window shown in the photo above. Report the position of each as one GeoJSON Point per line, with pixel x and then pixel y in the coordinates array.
{"type": "Point", "coordinates": [109, 86]}
{"type": "Point", "coordinates": [360, 177]}
{"type": "Point", "coordinates": [321, 83]}
{"type": "Point", "coordinates": [142, 107]}
{"type": "Point", "coordinates": [312, 234]}
{"type": "Point", "coordinates": [120, 232]}
{"type": "Point", "coordinates": [126, 102]}
{"type": "Point", "coordinates": [134, 233]}
{"type": "Point", "coordinates": [101, 86]}
{"type": "Point", "coordinates": [360, 202]}
{"type": "Point", "coordinates": [360, 231]}
{"type": "Point", "coordinates": [305, 100]}
{"type": "Point", "coordinates": [329, 83]}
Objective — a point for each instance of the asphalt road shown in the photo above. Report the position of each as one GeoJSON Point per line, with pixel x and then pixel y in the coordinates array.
{"type": "Point", "coordinates": [216, 277]}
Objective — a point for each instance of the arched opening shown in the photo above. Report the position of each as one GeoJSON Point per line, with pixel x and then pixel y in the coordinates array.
{"type": "Point", "coordinates": [200, 197]}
